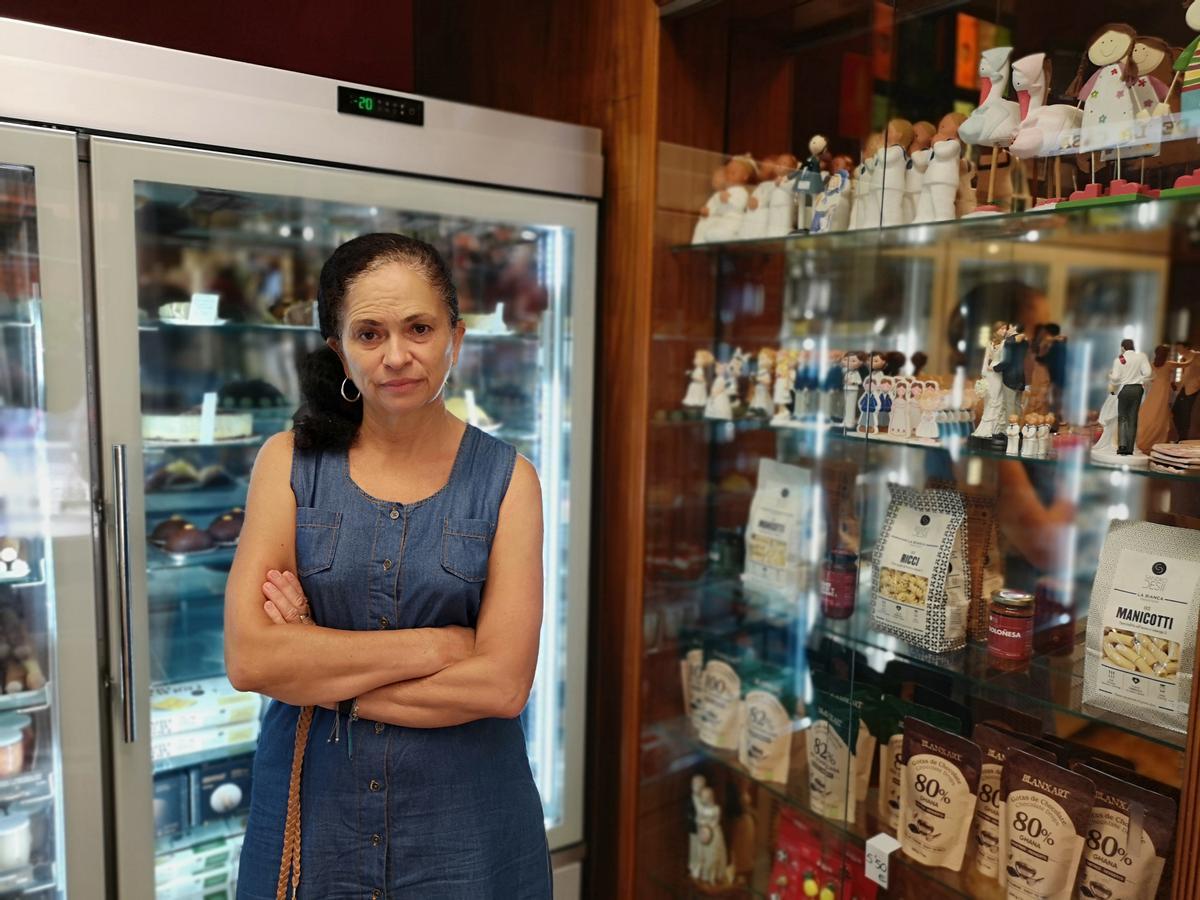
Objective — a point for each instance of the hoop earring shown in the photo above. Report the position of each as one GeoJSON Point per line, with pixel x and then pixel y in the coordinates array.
{"type": "Point", "coordinates": [346, 381]}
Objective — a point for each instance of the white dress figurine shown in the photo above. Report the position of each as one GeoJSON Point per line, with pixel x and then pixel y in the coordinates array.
{"type": "Point", "coordinates": [758, 209]}
{"type": "Point", "coordinates": [898, 422]}
{"type": "Point", "coordinates": [1127, 383]}
{"type": "Point", "coordinates": [700, 232]}
{"type": "Point", "coordinates": [761, 401]}
{"type": "Point", "coordinates": [914, 180]}
{"type": "Point", "coordinates": [851, 385]}
{"type": "Point", "coordinates": [940, 188]}
{"type": "Point", "coordinates": [1013, 431]}
{"type": "Point", "coordinates": [782, 392]}
{"type": "Point", "coordinates": [995, 120]}
{"type": "Point", "coordinates": [930, 402]}
{"type": "Point", "coordinates": [893, 184]}
{"type": "Point", "coordinates": [718, 405]}
{"type": "Point", "coordinates": [725, 214]}
{"type": "Point", "coordinates": [697, 391]}
{"type": "Point", "coordinates": [1107, 445]}
{"type": "Point", "coordinates": [714, 858]}
{"type": "Point", "coordinates": [1108, 103]}
{"type": "Point", "coordinates": [873, 211]}
{"type": "Point", "coordinates": [781, 208]}
{"type": "Point", "coordinates": [992, 382]}
{"type": "Point", "coordinates": [856, 207]}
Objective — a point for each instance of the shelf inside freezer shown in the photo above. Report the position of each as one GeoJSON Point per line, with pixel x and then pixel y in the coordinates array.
{"type": "Point", "coordinates": [199, 835]}
{"type": "Point", "coordinates": [197, 498]}
{"type": "Point", "coordinates": [26, 701]}
{"type": "Point", "coordinates": [161, 446]}
{"type": "Point", "coordinates": [196, 757]}
{"type": "Point", "coordinates": [26, 788]}
{"type": "Point", "coordinates": [157, 558]}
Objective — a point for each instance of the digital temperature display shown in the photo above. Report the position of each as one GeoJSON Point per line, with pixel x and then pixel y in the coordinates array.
{"type": "Point", "coordinates": [374, 105]}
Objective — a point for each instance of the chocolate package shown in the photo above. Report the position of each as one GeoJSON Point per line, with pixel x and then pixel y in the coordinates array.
{"type": "Point", "coordinates": [937, 794]}
{"type": "Point", "coordinates": [920, 579]}
{"type": "Point", "coordinates": [994, 745]}
{"type": "Point", "coordinates": [768, 707]}
{"type": "Point", "coordinates": [889, 732]}
{"type": "Point", "coordinates": [1141, 651]}
{"type": "Point", "coordinates": [830, 742]}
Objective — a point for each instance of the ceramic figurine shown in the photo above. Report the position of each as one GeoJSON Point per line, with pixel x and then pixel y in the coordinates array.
{"type": "Point", "coordinates": [995, 121]}
{"type": "Point", "coordinates": [725, 218]}
{"type": "Point", "coordinates": [1044, 439]}
{"type": "Point", "coordinates": [699, 785]}
{"type": "Point", "coordinates": [1014, 436]}
{"type": "Point", "coordinates": [781, 209]}
{"type": "Point", "coordinates": [1105, 449]}
{"type": "Point", "coordinates": [733, 374]}
{"type": "Point", "coordinates": [914, 180]}
{"type": "Point", "coordinates": [1187, 69]}
{"type": "Point", "coordinates": [1029, 445]}
{"type": "Point", "coordinates": [697, 391]}
{"type": "Point", "coordinates": [894, 166]}
{"type": "Point", "coordinates": [700, 232]}
{"type": "Point", "coordinates": [832, 209]}
{"type": "Point", "coordinates": [929, 401]}
{"type": "Point", "coordinates": [1045, 130]}
{"type": "Point", "coordinates": [718, 405]}
{"type": "Point", "coordinates": [899, 424]}
{"type": "Point", "coordinates": [782, 392]}
{"type": "Point", "coordinates": [1108, 103]}
{"type": "Point", "coordinates": [939, 190]}
{"type": "Point", "coordinates": [1149, 56]}
{"type": "Point", "coordinates": [884, 419]}
{"type": "Point", "coordinates": [810, 180]}
{"type": "Point", "coordinates": [991, 384]}
{"type": "Point", "coordinates": [867, 197]}
{"type": "Point", "coordinates": [851, 384]}
{"type": "Point", "coordinates": [1130, 372]}
{"type": "Point", "coordinates": [760, 399]}
{"type": "Point", "coordinates": [713, 857]}
{"type": "Point", "coordinates": [923, 133]}
{"type": "Point", "coordinates": [1154, 422]}
{"type": "Point", "coordinates": [754, 222]}
{"type": "Point", "coordinates": [916, 389]}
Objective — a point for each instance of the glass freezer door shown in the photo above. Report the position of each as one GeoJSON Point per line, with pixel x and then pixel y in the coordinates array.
{"type": "Point", "coordinates": [207, 271]}
{"type": "Point", "coordinates": [51, 816]}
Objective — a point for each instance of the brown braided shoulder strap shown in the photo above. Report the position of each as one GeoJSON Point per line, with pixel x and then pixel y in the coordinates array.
{"type": "Point", "coordinates": [289, 865]}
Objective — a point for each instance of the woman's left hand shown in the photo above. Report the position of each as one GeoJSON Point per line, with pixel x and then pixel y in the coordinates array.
{"type": "Point", "coordinates": [285, 601]}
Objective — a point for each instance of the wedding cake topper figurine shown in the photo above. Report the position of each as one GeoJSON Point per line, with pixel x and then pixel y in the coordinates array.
{"type": "Point", "coordinates": [1130, 372]}
{"type": "Point", "coordinates": [809, 180]}
{"type": "Point", "coordinates": [832, 211]}
{"type": "Point", "coordinates": [755, 222]}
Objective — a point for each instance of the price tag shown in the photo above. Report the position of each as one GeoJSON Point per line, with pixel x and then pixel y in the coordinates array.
{"type": "Point", "coordinates": [879, 848]}
{"type": "Point", "coordinates": [203, 309]}
{"type": "Point", "coordinates": [208, 418]}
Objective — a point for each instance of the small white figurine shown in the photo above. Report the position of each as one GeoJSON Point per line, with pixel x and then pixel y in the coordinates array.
{"type": "Point", "coordinates": [718, 405]}
{"type": "Point", "coordinates": [697, 391]}
{"type": "Point", "coordinates": [914, 180]}
{"type": "Point", "coordinates": [1029, 442]}
{"type": "Point", "coordinates": [714, 858]}
{"type": "Point", "coordinates": [851, 384]}
{"type": "Point", "coordinates": [991, 384]}
{"type": "Point", "coordinates": [782, 391]}
{"type": "Point", "coordinates": [758, 212]}
{"type": "Point", "coordinates": [699, 786]}
{"type": "Point", "coordinates": [726, 213]}
{"type": "Point", "coordinates": [781, 209]}
{"type": "Point", "coordinates": [733, 374]}
{"type": "Point", "coordinates": [1044, 435]}
{"type": "Point", "coordinates": [1013, 431]}
{"type": "Point", "coordinates": [867, 197]}
{"type": "Point", "coordinates": [940, 188]}
{"type": "Point", "coordinates": [810, 181]}
{"type": "Point", "coordinates": [898, 424]}
{"type": "Point", "coordinates": [893, 165]}
{"type": "Point", "coordinates": [929, 401]}
{"type": "Point", "coordinates": [760, 400]}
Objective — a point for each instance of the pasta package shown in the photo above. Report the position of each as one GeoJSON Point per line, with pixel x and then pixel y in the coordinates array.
{"type": "Point", "coordinates": [778, 526]}
{"type": "Point", "coordinates": [937, 794]}
{"type": "Point", "coordinates": [1045, 814]}
{"type": "Point", "coordinates": [1141, 652]}
{"type": "Point", "coordinates": [1130, 836]}
{"type": "Point", "coordinates": [920, 570]}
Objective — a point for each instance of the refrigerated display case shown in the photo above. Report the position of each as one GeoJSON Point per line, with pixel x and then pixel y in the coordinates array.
{"type": "Point", "coordinates": [205, 263]}
{"type": "Point", "coordinates": [51, 805]}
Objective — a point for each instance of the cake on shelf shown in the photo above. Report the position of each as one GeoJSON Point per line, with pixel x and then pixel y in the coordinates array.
{"type": "Point", "coordinates": [185, 427]}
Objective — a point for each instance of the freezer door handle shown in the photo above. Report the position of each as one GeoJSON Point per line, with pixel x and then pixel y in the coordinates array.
{"type": "Point", "coordinates": [124, 592]}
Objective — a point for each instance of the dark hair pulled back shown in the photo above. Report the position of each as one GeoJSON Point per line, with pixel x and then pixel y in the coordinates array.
{"type": "Point", "coordinates": [325, 420]}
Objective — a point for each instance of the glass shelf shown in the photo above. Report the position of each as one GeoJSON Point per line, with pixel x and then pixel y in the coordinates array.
{"type": "Point", "coordinates": [956, 447]}
{"type": "Point", "coordinates": [26, 701]}
{"type": "Point", "coordinates": [162, 446]}
{"type": "Point", "coordinates": [197, 499]}
{"type": "Point", "coordinates": [226, 751]}
{"type": "Point", "coordinates": [28, 787]}
{"type": "Point", "coordinates": [967, 884]}
{"type": "Point", "coordinates": [1063, 225]}
{"type": "Point", "coordinates": [158, 559]}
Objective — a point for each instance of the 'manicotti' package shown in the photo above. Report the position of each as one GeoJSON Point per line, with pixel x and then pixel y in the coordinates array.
{"type": "Point", "coordinates": [920, 570]}
{"type": "Point", "coordinates": [1046, 810]}
{"type": "Point", "coordinates": [937, 794]}
{"type": "Point", "coordinates": [1141, 652]}
{"type": "Point", "coordinates": [775, 532]}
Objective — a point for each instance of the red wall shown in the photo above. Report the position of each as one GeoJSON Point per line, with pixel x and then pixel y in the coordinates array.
{"type": "Point", "coordinates": [368, 42]}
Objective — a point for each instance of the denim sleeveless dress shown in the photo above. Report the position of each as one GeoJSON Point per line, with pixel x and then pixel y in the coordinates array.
{"type": "Point", "coordinates": [386, 811]}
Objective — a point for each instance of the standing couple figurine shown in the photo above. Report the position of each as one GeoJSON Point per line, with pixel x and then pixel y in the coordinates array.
{"type": "Point", "coordinates": [1002, 380]}
{"type": "Point", "coordinates": [1119, 415]}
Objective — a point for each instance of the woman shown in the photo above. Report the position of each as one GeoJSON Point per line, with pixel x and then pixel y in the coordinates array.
{"type": "Point", "coordinates": [378, 535]}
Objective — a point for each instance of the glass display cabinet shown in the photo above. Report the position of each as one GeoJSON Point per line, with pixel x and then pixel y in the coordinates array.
{"type": "Point", "coordinates": [918, 610]}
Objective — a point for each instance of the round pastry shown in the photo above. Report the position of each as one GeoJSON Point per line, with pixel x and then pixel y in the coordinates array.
{"type": "Point", "coordinates": [216, 476]}
{"type": "Point", "coordinates": [164, 531]}
{"type": "Point", "coordinates": [225, 529]}
{"type": "Point", "coordinates": [189, 539]}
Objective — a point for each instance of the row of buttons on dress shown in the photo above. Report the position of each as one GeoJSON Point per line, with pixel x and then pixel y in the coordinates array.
{"type": "Point", "coordinates": [377, 839]}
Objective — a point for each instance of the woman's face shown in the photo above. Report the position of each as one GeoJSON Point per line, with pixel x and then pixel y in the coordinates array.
{"type": "Point", "coordinates": [1110, 47]}
{"type": "Point", "coordinates": [397, 345]}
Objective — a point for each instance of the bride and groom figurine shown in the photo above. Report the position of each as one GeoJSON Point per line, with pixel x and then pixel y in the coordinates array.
{"type": "Point", "coordinates": [1119, 415]}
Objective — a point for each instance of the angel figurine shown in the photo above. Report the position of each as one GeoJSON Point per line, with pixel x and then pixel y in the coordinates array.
{"type": "Point", "coordinates": [718, 405]}
{"type": "Point", "coordinates": [929, 402]}
{"type": "Point", "coordinates": [713, 857]}
{"type": "Point", "coordinates": [697, 391]}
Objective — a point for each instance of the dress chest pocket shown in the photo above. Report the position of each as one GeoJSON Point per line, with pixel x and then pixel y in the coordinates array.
{"type": "Point", "coordinates": [466, 544]}
{"type": "Point", "coordinates": [316, 539]}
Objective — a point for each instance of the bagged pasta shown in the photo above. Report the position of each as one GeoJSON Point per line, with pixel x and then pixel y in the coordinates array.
{"type": "Point", "coordinates": [1141, 651]}
{"type": "Point", "coordinates": [1045, 813]}
{"type": "Point", "coordinates": [830, 742]}
{"type": "Point", "coordinates": [937, 794]}
{"type": "Point", "coordinates": [778, 526]}
{"type": "Point", "coordinates": [920, 570]}
{"type": "Point", "coordinates": [893, 713]}
{"type": "Point", "coordinates": [1130, 836]}
{"type": "Point", "coordinates": [768, 704]}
